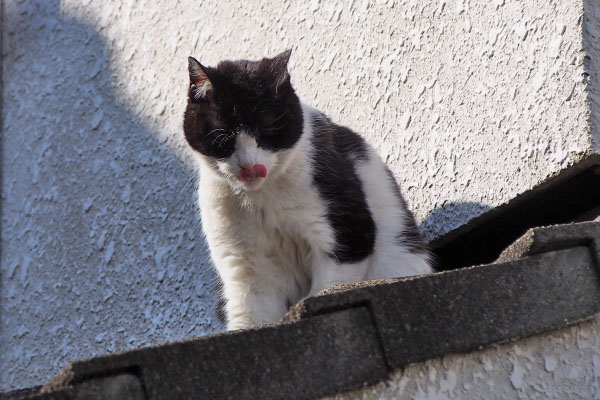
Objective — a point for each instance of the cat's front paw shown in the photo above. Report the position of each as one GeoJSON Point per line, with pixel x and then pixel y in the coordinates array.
{"type": "Point", "coordinates": [236, 324]}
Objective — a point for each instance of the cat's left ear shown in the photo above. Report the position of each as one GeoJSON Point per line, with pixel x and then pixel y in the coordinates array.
{"type": "Point", "coordinates": [279, 68]}
{"type": "Point", "coordinates": [199, 81]}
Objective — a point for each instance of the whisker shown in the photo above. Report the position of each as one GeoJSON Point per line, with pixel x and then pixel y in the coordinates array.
{"type": "Point", "coordinates": [278, 118]}
{"type": "Point", "coordinates": [227, 137]}
{"type": "Point", "coordinates": [185, 187]}
{"type": "Point", "coordinates": [215, 130]}
{"type": "Point", "coordinates": [217, 138]}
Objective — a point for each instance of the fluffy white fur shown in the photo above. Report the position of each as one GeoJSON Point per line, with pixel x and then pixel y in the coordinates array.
{"type": "Point", "coordinates": [270, 238]}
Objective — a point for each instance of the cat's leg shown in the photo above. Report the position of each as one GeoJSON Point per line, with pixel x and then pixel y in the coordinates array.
{"type": "Point", "coordinates": [252, 298]}
{"type": "Point", "coordinates": [397, 261]}
{"type": "Point", "coordinates": [327, 272]}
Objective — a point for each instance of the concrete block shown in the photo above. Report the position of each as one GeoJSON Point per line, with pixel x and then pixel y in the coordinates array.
{"type": "Point", "coordinates": [551, 238]}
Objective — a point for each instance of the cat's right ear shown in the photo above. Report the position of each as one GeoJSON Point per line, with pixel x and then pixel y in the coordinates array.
{"type": "Point", "coordinates": [200, 85]}
{"type": "Point", "coordinates": [279, 68]}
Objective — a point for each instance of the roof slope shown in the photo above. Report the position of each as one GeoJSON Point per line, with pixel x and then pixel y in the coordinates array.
{"type": "Point", "coordinates": [353, 335]}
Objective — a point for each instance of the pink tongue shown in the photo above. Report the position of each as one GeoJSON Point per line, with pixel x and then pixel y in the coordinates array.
{"type": "Point", "coordinates": [260, 170]}
{"type": "Point", "coordinates": [257, 171]}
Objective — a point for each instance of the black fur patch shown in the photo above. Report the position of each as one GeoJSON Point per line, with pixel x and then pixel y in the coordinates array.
{"type": "Point", "coordinates": [336, 151]}
{"type": "Point", "coordinates": [254, 96]}
{"type": "Point", "coordinates": [410, 236]}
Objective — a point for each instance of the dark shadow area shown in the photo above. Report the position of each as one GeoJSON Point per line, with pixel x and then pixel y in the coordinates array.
{"type": "Point", "coordinates": [450, 216]}
{"type": "Point", "coordinates": [570, 195]}
{"type": "Point", "coordinates": [102, 249]}
{"type": "Point", "coordinates": [444, 220]}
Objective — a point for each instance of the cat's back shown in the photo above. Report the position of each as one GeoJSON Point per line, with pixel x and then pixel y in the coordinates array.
{"type": "Point", "coordinates": [365, 204]}
{"type": "Point", "coordinates": [332, 142]}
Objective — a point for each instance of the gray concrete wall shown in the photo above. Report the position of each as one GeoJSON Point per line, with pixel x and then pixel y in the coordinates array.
{"type": "Point", "coordinates": [470, 102]}
{"type": "Point", "coordinates": [564, 364]}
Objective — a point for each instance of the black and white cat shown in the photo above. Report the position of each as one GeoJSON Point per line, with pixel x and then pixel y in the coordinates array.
{"type": "Point", "coordinates": [291, 203]}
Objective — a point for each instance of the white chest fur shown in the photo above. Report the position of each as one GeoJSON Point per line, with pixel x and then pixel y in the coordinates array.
{"type": "Point", "coordinates": [265, 241]}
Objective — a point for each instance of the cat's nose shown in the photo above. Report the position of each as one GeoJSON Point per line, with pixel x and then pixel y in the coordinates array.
{"type": "Point", "coordinates": [246, 164]}
{"type": "Point", "coordinates": [250, 172]}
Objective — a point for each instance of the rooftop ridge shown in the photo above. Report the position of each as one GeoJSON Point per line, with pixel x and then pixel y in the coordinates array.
{"type": "Point", "coordinates": [354, 335]}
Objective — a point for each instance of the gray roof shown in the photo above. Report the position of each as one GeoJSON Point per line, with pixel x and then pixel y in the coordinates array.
{"type": "Point", "coordinates": [353, 335]}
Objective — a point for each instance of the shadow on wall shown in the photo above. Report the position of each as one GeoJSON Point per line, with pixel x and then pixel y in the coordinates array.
{"type": "Point", "coordinates": [448, 217]}
{"type": "Point", "coordinates": [101, 242]}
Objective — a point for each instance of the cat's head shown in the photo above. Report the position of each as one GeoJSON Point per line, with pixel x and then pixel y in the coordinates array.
{"type": "Point", "coordinates": [243, 117]}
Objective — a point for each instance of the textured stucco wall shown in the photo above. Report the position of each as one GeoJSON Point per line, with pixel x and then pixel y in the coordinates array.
{"type": "Point", "coordinates": [591, 44]}
{"type": "Point", "coordinates": [564, 364]}
{"type": "Point", "coordinates": [470, 102]}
